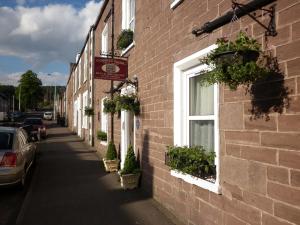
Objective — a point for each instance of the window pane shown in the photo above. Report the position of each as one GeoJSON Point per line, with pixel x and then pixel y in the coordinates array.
{"type": "Point", "coordinates": [201, 98]}
{"type": "Point", "coordinates": [202, 133]}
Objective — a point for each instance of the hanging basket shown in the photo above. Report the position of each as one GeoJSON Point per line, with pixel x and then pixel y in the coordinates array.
{"type": "Point", "coordinates": [88, 111]}
{"type": "Point", "coordinates": [234, 63]}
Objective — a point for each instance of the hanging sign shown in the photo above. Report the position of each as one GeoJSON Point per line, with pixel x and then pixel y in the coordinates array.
{"type": "Point", "coordinates": [110, 68]}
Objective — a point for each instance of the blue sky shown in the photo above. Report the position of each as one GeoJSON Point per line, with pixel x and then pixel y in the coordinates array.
{"type": "Point", "coordinates": [42, 35]}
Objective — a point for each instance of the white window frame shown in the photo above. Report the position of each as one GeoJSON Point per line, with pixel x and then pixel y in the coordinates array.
{"type": "Point", "coordinates": [182, 71]}
{"type": "Point", "coordinates": [104, 120]}
{"type": "Point", "coordinates": [79, 73]}
{"type": "Point", "coordinates": [84, 104]}
{"type": "Point", "coordinates": [126, 11]}
{"type": "Point", "coordinates": [85, 63]}
{"type": "Point", "coordinates": [104, 40]}
{"type": "Point", "coordinates": [175, 3]}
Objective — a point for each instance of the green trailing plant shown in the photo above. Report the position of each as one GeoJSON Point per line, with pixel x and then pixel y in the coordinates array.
{"type": "Point", "coordinates": [88, 111]}
{"type": "Point", "coordinates": [109, 106]}
{"type": "Point", "coordinates": [125, 39]}
{"type": "Point", "coordinates": [195, 160]}
{"type": "Point", "coordinates": [101, 135]}
{"type": "Point", "coordinates": [111, 153]}
{"type": "Point", "coordinates": [235, 63]}
{"type": "Point", "coordinates": [131, 165]}
{"type": "Point", "coordinates": [128, 103]}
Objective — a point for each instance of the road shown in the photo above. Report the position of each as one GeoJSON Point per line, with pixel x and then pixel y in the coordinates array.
{"type": "Point", "coordinates": [69, 186]}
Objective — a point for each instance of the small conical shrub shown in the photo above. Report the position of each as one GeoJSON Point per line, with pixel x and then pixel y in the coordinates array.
{"type": "Point", "coordinates": [131, 165]}
{"type": "Point", "coordinates": [111, 153]}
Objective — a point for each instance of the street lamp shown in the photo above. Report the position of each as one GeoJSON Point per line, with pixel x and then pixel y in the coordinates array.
{"type": "Point", "coordinates": [54, 100]}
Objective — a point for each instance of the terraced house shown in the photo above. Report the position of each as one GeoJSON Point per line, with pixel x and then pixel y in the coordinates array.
{"type": "Point", "coordinates": [253, 128]}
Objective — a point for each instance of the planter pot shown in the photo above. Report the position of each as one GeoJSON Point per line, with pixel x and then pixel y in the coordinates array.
{"type": "Point", "coordinates": [229, 57]}
{"type": "Point", "coordinates": [130, 181]}
{"type": "Point", "coordinates": [111, 165]}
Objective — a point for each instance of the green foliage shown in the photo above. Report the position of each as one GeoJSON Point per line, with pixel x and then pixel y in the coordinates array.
{"type": "Point", "coordinates": [234, 63]}
{"type": "Point", "coordinates": [88, 111]}
{"type": "Point", "coordinates": [125, 39]}
{"type": "Point", "coordinates": [131, 165]}
{"type": "Point", "coordinates": [109, 106]}
{"type": "Point", "coordinates": [111, 152]}
{"type": "Point", "coordinates": [128, 103]}
{"type": "Point", "coordinates": [101, 135]}
{"type": "Point", "coordinates": [195, 160]}
{"type": "Point", "coordinates": [31, 90]}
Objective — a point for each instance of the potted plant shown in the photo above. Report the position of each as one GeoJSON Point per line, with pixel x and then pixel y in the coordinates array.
{"type": "Point", "coordinates": [195, 161]}
{"type": "Point", "coordinates": [88, 111]}
{"type": "Point", "coordinates": [109, 106]}
{"type": "Point", "coordinates": [128, 103]}
{"type": "Point", "coordinates": [111, 162]}
{"type": "Point", "coordinates": [101, 135]}
{"type": "Point", "coordinates": [125, 39]}
{"type": "Point", "coordinates": [131, 172]}
{"type": "Point", "coordinates": [234, 63]}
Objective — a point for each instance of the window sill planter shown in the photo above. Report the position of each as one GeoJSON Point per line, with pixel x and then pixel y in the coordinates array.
{"type": "Point", "coordinates": [130, 181]}
{"type": "Point", "coordinates": [128, 48]}
{"type": "Point", "coordinates": [205, 184]}
{"type": "Point", "coordinates": [111, 165]}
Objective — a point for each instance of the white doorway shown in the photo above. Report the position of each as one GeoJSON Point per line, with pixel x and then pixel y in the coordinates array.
{"type": "Point", "coordinates": [127, 133]}
{"type": "Point", "coordinates": [79, 114]}
{"type": "Point", "coordinates": [127, 126]}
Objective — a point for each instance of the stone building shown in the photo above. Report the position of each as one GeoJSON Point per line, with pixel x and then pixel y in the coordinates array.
{"type": "Point", "coordinates": [255, 135]}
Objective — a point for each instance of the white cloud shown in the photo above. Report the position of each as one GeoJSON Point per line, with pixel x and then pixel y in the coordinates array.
{"type": "Point", "coordinates": [20, 2]}
{"type": "Point", "coordinates": [55, 78]}
{"type": "Point", "coordinates": [40, 35]}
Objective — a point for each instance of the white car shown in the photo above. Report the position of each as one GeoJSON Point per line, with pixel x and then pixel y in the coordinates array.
{"type": "Point", "coordinates": [48, 115]}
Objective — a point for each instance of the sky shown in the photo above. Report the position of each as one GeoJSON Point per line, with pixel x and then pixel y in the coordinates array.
{"type": "Point", "coordinates": [43, 36]}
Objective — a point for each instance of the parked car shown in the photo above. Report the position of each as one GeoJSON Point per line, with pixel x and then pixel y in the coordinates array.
{"type": "Point", "coordinates": [38, 128]}
{"type": "Point", "coordinates": [17, 155]}
{"type": "Point", "coordinates": [15, 115]}
{"type": "Point", "coordinates": [48, 115]}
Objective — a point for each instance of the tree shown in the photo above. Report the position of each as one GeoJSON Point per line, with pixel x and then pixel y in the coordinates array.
{"type": "Point", "coordinates": [31, 90]}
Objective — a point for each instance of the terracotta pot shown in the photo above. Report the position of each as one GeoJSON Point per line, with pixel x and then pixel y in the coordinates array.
{"type": "Point", "coordinates": [111, 165]}
{"type": "Point", "coordinates": [130, 181]}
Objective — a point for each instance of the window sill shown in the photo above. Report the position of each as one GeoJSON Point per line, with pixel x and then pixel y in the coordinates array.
{"type": "Point", "coordinates": [128, 48]}
{"type": "Point", "coordinates": [197, 181]}
{"type": "Point", "coordinates": [103, 143]}
{"type": "Point", "coordinates": [175, 4]}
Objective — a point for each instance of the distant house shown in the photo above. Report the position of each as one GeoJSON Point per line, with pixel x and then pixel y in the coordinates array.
{"type": "Point", "coordinates": [4, 107]}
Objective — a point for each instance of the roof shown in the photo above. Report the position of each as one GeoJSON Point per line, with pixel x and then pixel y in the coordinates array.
{"type": "Point", "coordinates": [93, 27]}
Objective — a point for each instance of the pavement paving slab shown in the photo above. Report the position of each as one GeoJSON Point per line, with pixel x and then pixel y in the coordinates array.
{"type": "Point", "coordinates": [69, 187]}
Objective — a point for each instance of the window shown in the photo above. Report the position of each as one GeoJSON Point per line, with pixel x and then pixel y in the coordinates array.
{"type": "Point", "coordinates": [104, 40]}
{"type": "Point", "coordinates": [104, 118]}
{"type": "Point", "coordinates": [128, 14]}
{"type": "Point", "coordinates": [85, 64]}
{"type": "Point", "coordinates": [84, 104]}
{"type": "Point", "coordinates": [196, 113]}
{"type": "Point", "coordinates": [79, 73]}
{"type": "Point", "coordinates": [201, 112]}
{"type": "Point", "coordinates": [175, 3]}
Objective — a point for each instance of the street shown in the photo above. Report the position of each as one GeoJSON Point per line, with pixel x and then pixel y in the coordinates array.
{"type": "Point", "coordinates": [69, 186]}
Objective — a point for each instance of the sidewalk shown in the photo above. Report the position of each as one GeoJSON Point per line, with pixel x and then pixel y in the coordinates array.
{"type": "Point", "coordinates": [70, 187]}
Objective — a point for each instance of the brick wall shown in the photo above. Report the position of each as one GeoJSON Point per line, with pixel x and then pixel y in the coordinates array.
{"type": "Point", "coordinates": [259, 140]}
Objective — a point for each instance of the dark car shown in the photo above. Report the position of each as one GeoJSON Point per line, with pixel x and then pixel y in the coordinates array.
{"type": "Point", "coordinates": [38, 129]}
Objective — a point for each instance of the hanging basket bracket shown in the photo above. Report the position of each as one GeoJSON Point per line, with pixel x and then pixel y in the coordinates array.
{"type": "Point", "coordinates": [240, 10]}
{"type": "Point", "coordinates": [271, 28]}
